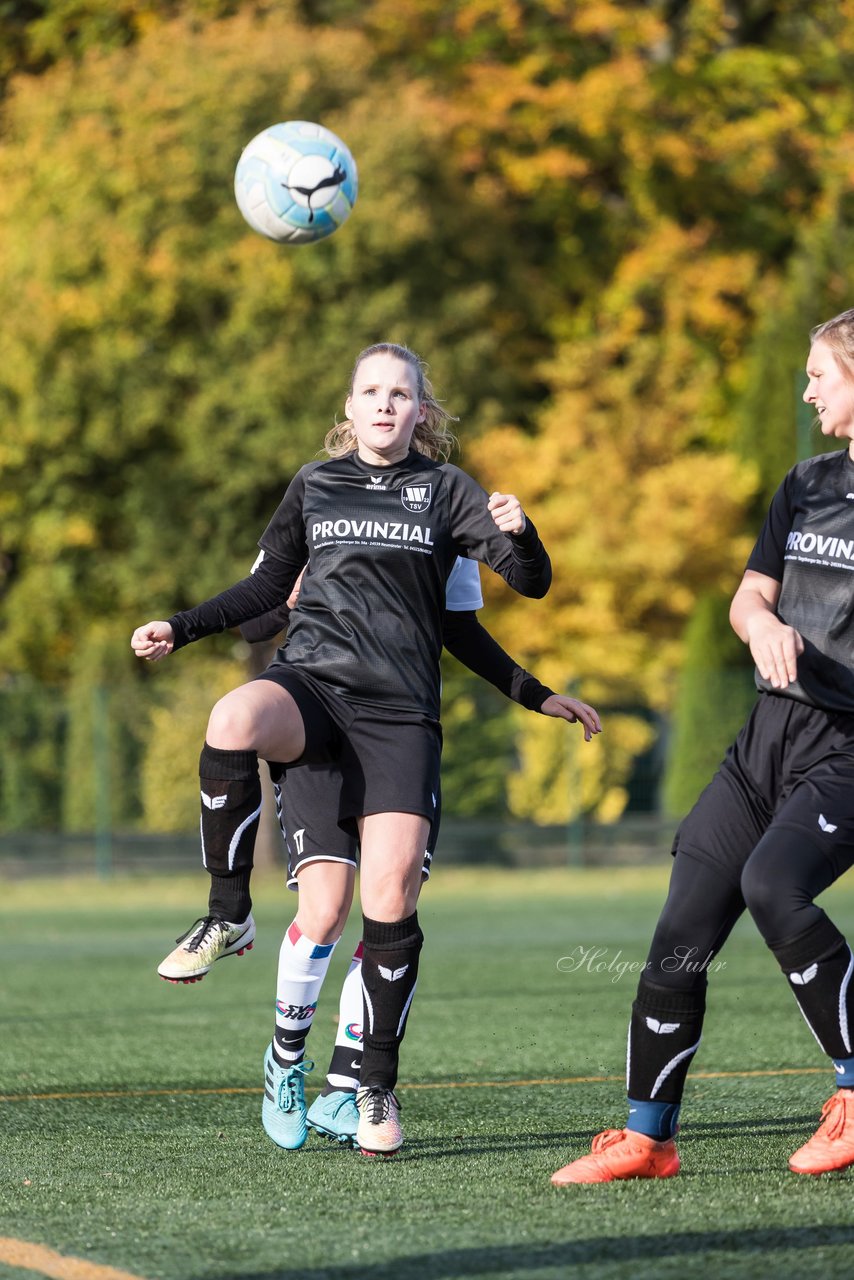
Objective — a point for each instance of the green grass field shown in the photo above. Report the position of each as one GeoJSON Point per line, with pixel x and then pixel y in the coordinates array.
{"type": "Point", "coordinates": [131, 1135]}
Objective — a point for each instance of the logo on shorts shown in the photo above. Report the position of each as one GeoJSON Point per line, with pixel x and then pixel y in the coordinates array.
{"type": "Point", "coordinates": [297, 837]}
{"type": "Point", "coordinates": [416, 497]}
{"type": "Point", "coordinates": [825, 825]}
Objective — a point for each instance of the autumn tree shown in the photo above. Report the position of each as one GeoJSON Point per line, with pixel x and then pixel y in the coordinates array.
{"type": "Point", "coordinates": [604, 226]}
{"type": "Point", "coordinates": [165, 369]}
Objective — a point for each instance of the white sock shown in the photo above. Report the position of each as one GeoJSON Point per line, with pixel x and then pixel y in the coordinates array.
{"type": "Point", "coordinates": [346, 1061]}
{"type": "Point", "coordinates": [302, 968]}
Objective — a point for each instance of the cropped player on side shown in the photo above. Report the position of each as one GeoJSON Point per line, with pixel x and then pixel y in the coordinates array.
{"type": "Point", "coordinates": [775, 827]}
{"type": "Point", "coordinates": [380, 524]}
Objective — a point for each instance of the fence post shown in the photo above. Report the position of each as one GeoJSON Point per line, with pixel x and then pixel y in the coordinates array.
{"type": "Point", "coordinates": [101, 766]}
{"type": "Point", "coordinates": [575, 824]}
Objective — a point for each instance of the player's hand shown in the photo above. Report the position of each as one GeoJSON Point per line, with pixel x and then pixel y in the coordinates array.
{"type": "Point", "coordinates": [507, 512]}
{"type": "Point", "coordinates": [775, 648]}
{"type": "Point", "coordinates": [291, 601]}
{"type": "Point", "coordinates": [571, 709]}
{"type": "Point", "coordinates": [153, 641]}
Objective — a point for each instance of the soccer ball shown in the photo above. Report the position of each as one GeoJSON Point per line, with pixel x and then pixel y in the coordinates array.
{"type": "Point", "coordinates": [296, 182]}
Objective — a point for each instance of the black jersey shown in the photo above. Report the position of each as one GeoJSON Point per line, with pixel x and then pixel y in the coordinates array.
{"type": "Point", "coordinates": [807, 544]}
{"type": "Point", "coordinates": [379, 543]}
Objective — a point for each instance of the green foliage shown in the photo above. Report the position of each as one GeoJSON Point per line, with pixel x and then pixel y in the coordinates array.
{"type": "Point", "coordinates": [36, 34]}
{"type": "Point", "coordinates": [105, 737]}
{"type": "Point", "coordinates": [478, 747]}
{"type": "Point", "coordinates": [168, 370]}
{"type": "Point", "coordinates": [181, 698]}
{"type": "Point", "coordinates": [773, 426]}
{"type": "Point", "coordinates": [714, 694]}
{"type": "Point", "coordinates": [33, 719]}
{"type": "Point", "coordinates": [607, 227]}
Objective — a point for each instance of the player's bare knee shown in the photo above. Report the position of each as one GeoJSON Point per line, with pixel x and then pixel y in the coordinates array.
{"type": "Point", "coordinates": [390, 903]}
{"type": "Point", "coordinates": [322, 922]}
{"type": "Point", "coordinates": [231, 725]}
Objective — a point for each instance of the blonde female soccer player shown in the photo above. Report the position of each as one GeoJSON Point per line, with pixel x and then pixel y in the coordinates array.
{"type": "Point", "coordinates": [380, 525]}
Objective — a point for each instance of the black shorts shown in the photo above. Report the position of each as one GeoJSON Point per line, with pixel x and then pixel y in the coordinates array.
{"type": "Point", "coordinates": [357, 761]}
{"type": "Point", "coordinates": [308, 804]}
{"type": "Point", "coordinates": [791, 766]}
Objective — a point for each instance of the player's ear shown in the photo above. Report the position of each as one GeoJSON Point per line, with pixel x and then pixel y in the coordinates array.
{"type": "Point", "coordinates": [422, 411]}
{"type": "Point", "coordinates": [348, 403]}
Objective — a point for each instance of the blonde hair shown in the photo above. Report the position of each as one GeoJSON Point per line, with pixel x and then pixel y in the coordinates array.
{"type": "Point", "coordinates": [433, 437]}
{"type": "Point", "coordinates": [838, 335]}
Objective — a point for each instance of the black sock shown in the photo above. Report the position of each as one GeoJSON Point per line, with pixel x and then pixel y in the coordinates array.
{"type": "Point", "coordinates": [820, 967]}
{"type": "Point", "coordinates": [389, 974]}
{"type": "Point", "coordinates": [231, 808]}
{"type": "Point", "coordinates": [664, 1035]}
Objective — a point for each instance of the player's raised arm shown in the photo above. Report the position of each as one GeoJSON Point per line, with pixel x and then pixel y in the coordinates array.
{"type": "Point", "coordinates": [153, 641]}
{"type": "Point", "coordinates": [506, 511]}
{"type": "Point", "coordinates": [495, 530]}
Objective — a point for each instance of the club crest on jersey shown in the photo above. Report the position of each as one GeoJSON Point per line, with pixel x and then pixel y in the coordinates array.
{"type": "Point", "coordinates": [416, 497]}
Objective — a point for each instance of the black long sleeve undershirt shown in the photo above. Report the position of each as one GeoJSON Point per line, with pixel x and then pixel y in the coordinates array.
{"type": "Point", "coordinates": [470, 643]}
{"type": "Point", "coordinates": [463, 637]}
{"type": "Point", "coordinates": [256, 595]}
{"type": "Point", "coordinates": [268, 626]}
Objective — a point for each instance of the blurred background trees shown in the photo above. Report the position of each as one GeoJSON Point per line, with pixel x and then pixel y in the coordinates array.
{"type": "Point", "coordinates": [608, 228]}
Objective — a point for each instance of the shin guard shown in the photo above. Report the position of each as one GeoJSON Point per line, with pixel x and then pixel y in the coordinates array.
{"type": "Point", "coordinates": [819, 966]}
{"type": "Point", "coordinates": [664, 1035]}
{"type": "Point", "coordinates": [389, 975]}
{"type": "Point", "coordinates": [231, 809]}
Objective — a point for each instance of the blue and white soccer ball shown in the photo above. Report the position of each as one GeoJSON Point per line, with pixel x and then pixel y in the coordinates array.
{"type": "Point", "coordinates": [296, 182]}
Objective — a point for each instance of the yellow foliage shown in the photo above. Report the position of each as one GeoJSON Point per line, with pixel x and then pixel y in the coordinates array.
{"type": "Point", "coordinates": [561, 777]}
{"type": "Point", "coordinates": [169, 770]}
{"type": "Point", "coordinates": [627, 145]}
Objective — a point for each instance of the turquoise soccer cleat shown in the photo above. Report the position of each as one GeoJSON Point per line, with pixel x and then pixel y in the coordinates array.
{"type": "Point", "coordinates": [336, 1116]}
{"type": "Point", "coordinates": [283, 1110]}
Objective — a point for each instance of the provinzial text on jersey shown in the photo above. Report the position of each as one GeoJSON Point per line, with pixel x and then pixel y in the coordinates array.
{"type": "Point", "coordinates": [815, 544]}
{"type": "Point", "coordinates": [389, 530]}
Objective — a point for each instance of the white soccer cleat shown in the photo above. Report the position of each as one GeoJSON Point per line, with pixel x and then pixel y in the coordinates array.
{"type": "Point", "coordinates": [379, 1132]}
{"type": "Point", "coordinates": [207, 940]}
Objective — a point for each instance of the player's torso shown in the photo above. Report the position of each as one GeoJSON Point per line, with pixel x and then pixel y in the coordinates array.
{"type": "Point", "coordinates": [371, 603]}
{"type": "Point", "coordinates": [818, 574]}
{"type": "Point", "coordinates": [817, 593]}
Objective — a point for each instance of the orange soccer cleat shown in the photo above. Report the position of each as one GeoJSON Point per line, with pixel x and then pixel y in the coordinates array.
{"type": "Point", "coordinates": [621, 1153]}
{"type": "Point", "coordinates": [832, 1144]}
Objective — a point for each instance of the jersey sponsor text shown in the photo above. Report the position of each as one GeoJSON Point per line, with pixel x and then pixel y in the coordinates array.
{"type": "Point", "coordinates": [815, 544]}
{"type": "Point", "coordinates": [370, 531]}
